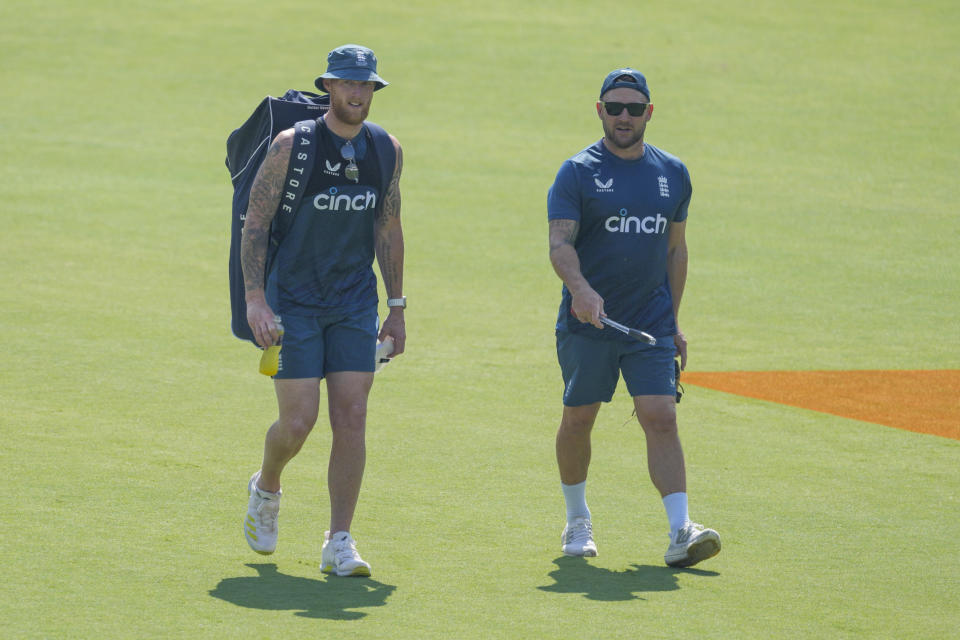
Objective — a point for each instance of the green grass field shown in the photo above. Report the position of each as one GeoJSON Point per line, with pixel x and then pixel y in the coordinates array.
{"type": "Point", "coordinates": [822, 139]}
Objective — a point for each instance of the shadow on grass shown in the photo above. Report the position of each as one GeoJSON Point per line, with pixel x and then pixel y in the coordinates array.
{"type": "Point", "coordinates": [576, 575]}
{"type": "Point", "coordinates": [333, 598]}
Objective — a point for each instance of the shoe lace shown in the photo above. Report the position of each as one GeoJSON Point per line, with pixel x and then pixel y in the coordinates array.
{"type": "Point", "coordinates": [687, 532]}
{"type": "Point", "coordinates": [345, 550]}
{"type": "Point", "coordinates": [268, 511]}
{"type": "Point", "coordinates": [580, 531]}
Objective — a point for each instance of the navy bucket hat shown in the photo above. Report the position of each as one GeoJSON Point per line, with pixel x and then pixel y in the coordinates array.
{"type": "Point", "coordinates": [626, 77]}
{"type": "Point", "coordinates": [352, 62]}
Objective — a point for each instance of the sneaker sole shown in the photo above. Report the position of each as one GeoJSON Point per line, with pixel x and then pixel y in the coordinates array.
{"type": "Point", "coordinates": [589, 553]}
{"type": "Point", "coordinates": [361, 571]}
{"type": "Point", "coordinates": [263, 553]}
{"type": "Point", "coordinates": [250, 542]}
{"type": "Point", "coordinates": [697, 552]}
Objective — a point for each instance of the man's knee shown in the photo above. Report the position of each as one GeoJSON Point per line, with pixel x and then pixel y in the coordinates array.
{"type": "Point", "coordinates": [579, 419]}
{"type": "Point", "coordinates": [297, 426]}
{"type": "Point", "coordinates": [348, 407]}
{"type": "Point", "coordinates": [348, 392]}
{"type": "Point", "coordinates": [660, 426]}
{"type": "Point", "coordinates": [299, 405]}
{"type": "Point", "coordinates": [657, 416]}
{"type": "Point", "coordinates": [349, 415]}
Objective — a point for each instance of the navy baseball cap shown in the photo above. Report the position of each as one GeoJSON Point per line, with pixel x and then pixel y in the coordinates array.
{"type": "Point", "coordinates": [627, 77]}
{"type": "Point", "coordinates": [352, 62]}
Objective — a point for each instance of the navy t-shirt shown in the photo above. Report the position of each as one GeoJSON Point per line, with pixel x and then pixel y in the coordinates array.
{"type": "Point", "coordinates": [625, 208]}
{"type": "Point", "coordinates": [325, 262]}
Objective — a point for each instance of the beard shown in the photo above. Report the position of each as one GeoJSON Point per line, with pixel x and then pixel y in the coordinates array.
{"type": "Point", "coordinates": [349, 115]}
{"type": "Point", "coordinates": [621, 139]}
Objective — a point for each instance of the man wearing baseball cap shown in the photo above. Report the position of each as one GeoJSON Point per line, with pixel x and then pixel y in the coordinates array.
{"type": "Point", "coordinates": [617, 213]}
{"type": "Point", "coordinates": [323, 289]}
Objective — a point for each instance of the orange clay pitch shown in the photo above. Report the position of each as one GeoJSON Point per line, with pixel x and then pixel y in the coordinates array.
{"type": "Point", "coordinates": [922, 401]}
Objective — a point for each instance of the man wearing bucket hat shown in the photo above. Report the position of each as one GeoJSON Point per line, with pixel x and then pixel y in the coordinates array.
{"type": "Point", "coordinates": [323, 288]}
{"type": "Point", "coordinates": [617, 221]}
{"type": "Point", "coordinates": [352, 62]}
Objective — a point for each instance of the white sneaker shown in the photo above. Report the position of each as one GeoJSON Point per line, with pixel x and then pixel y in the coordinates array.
{"type": "Point", "coordinates": [339, 555]}
{"type": "Point", "coordinates": [577, 538]}
{"type": "Point", "coordinates": [260, 526]}
{"type": "Point", "coordinates": [692, 544]}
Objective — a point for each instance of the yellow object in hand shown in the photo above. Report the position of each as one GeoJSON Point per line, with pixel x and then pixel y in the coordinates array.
{"type": "Point", "coordinates": [270, 360]}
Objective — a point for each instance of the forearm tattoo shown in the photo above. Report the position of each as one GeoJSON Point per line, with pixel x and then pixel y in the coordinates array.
{"type": "Point", "coordinates": [563, 232]}
{"type": "Point", "coordinates": [391, 204]}
{"type": "Point", "coordinates": [264, 198]}
{"type": "Point", "coordinates": [390, 234]}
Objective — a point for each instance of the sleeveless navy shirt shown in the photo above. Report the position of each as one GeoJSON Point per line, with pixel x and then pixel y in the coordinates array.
{"type": "Point", "coordinates": [325, 262]}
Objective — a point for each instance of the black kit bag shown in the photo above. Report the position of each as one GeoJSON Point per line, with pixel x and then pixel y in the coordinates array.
{"type": "Point", "coordinates": [246, 149]}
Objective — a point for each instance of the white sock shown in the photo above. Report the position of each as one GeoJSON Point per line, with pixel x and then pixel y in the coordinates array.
{"type": "Point", "coordinates": [676, 506]}
{"type": "Point", "coordinates": [575, 496]}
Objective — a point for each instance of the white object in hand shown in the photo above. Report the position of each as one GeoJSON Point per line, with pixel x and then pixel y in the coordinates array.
{"type": "Point", "coordinates": [384, 350]}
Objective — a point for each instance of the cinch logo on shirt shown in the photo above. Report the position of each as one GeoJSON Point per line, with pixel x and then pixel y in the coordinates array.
{"type": "Point", "coordinates": [355, 199]}
{"type": "Point", "coordinates": [632, 224]}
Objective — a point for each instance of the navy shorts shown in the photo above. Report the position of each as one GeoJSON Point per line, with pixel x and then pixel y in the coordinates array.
{"type": "Point", "coordinates": [314, 346]}
{"type": "Point", "coordinates": [591, 368]}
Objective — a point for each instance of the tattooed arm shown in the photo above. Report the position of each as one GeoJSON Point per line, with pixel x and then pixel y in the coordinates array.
{"type": "Point", "coordinates": [264, 198]}
{"type": "Point", "coordinates": [389, 248]}
{"type": "Point", "coordinates": [587, 305]}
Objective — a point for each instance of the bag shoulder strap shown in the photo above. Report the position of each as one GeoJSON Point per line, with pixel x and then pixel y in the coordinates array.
{"type": "Point", "coordinates": [302, 155]}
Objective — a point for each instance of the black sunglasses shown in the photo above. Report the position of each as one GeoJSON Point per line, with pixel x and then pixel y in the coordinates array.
{"type": "Point", "coordinates": [635, 109]}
